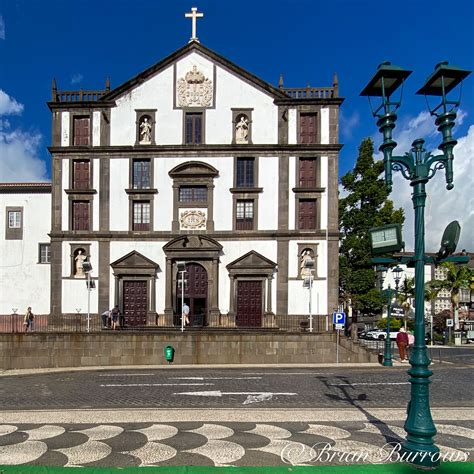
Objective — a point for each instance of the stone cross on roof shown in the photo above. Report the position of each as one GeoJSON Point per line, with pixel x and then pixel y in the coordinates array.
{"type": "Point", "coordinates": [193, 15]}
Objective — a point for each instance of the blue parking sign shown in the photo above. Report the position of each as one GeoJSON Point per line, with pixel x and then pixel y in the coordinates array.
{"type": "Point", "coordinates": [339, 318]}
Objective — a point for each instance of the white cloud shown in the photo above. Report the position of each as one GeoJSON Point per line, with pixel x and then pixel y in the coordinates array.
{"type": "Point", "coordinates": [18, 149]}
{"type": "Point", "coordinates": [442, 206]}
{"type": "Point", "coordinates": [76, 78]}
{"type": "Point", "coordinates": [2, 28]}
{"type": "Point", "coordinates": [8, 105]}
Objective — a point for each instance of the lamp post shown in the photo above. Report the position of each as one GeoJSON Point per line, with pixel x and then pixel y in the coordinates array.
{"type": "Point", "coordinates": [418, 166]}
{"type": "Point", "coordinates": [87, 267]}
{"type": "Point", "coordinates": [182, 271]}
{"type": "Point", "coordinates": [308, 267]}
{"type": "Point", "coordinates": [387, 355]}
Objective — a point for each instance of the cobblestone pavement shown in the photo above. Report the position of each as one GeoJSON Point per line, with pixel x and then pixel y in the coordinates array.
{"type": "Point", "coordinates": [220, 388]}
{"type": "Point", "coordinates": [216, 444]}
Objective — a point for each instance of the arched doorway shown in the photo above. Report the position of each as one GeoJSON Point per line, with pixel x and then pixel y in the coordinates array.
{"type": "Point", "coordinates": [195, 293]}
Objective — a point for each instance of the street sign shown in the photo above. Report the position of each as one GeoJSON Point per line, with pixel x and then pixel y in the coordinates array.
{"type": "Point", "coordinates": [339, 326]}
{"type": "Point", "coordinates": [339, 318]}
{"type": "Point", "coordinates": [449, 323]}
{"type": "Point", "coordinates": [397, 311]}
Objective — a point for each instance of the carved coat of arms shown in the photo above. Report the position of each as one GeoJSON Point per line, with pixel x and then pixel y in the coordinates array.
{"type": "Point", "coordinates": [192, 220]}
{"type": "Point", "coordinates": [194, 90]}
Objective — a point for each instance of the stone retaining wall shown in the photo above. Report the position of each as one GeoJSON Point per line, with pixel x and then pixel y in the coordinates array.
{"type": "Point", "coordinates": [47, 350]}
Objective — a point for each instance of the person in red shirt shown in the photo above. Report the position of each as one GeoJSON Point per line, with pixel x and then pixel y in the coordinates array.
{"type": "Point", "coordinates": [402, 343]}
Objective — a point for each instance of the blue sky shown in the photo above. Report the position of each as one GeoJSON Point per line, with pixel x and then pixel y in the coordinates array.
{"type": "Point", "coordinates": [80, 43]}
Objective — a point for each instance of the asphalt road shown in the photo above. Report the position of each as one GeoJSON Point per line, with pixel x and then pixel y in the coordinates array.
{"type": "Point", "coordinates": [232, 388]}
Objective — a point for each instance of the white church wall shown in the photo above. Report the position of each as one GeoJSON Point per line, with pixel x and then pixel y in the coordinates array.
{"type": "Point", "coordinates": [65, 128]}
{"type": "Point", "coordinates": [163, 201]}
{"type": "Point", "coordinates": [294, 258]}
{"type": "Point", "coordinates": [75, 297]}
{"type": "Point", "coordinates": [96, 128]}
{"type": "Point", "coordinates": [119, 202]}
{"type": "Point", "coordinates": [23, 281]}
{"type": "Point", "coordinates": [222, 197]}
{"type": "Point", "coordinates": [268, 200]}
{"type": "Point", "coordinates": [67, 268]}
{"type": "Point", "coordinates": [232, 250]}
{"type": "Point", "coordinates": [64, 196]}
{"type": "Point", "coordinates": [298, 297]}
{"type": "Point", "coordinates": [292, 126]}
{"type": "Point", "coordinates": [155, 93]}
{"type": "Point", "coordinates": [324, 124]}
{"type": "Point", "coordinates": [291, 194]}
{"type": "Point", "coordinates": [96, 186]}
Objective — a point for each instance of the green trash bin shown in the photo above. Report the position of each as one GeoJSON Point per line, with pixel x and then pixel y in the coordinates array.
{"type": "Point", "coordinates": [169, 354]}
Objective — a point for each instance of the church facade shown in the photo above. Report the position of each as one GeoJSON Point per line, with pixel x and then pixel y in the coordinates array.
{"type": "Point", "coordinates": [195, 165]}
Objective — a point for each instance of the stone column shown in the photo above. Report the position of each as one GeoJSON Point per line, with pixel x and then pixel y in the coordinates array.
{"type": "Point", "coordinates": [117, 290]}
{"type": "Point", "coordinates": [167, 319]}
{"type": "Point", "coordinates": [214, 293]}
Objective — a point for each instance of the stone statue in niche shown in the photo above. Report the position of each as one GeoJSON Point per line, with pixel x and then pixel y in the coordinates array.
{"type": "Point", "coordinates": [145, 131]}
{"type": "Point", "coordinates": [306, 256]}
{"type": "Point", "coordinates": [242, 130]}
{"type": "Point", "coordinates": [79, 261]}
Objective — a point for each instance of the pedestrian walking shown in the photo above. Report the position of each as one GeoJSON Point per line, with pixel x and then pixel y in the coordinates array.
{"type": "Point", "coordinates": [185, 314]}
{"type": "Point", "coordinates": [106, 318]}
{"type": "Point", "coordinates": [29, 319]}
{"type": "Point", "coordinates": [115, 316]}
{"type": "Point", "coordinates": [402, 343]}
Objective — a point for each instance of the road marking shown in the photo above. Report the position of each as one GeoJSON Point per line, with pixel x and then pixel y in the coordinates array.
{"type": "Point", "coordinates": [124, 375]}
{"type": "Point", "coordinates": [288, 373]}
{"type": "Point", "coordinates": [252, 397]}
{"type": "Point", "coordinates": [367, 383]}
{"type": "Point", "coordinates": [149, 384]}
{"type": "Point", "coordinates": [215, 378]}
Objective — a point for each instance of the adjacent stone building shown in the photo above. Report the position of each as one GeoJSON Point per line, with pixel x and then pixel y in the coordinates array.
{"type": "Point", "coordinates": [193, 160]}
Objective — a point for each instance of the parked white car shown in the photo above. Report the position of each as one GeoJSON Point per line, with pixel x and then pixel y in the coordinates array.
{"type": "Point", "coordinates": [380, 334]}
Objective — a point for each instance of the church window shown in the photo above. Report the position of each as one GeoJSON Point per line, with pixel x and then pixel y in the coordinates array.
{"type": "Point", "coordinates": [192, 193]}
{"type": "Point", "coordinates": [141, 215]}
{"type": "Point", "coordinates": [81, 174]}
{"type": "Point", "coordinates": [244, 214]}
{"type": "Point", "coordinates": [245, 173]}
{"type": "Point", "coordinates": [307, 172]}
{"type": "Point", "coordinates": [308, 128]}
{"type": "Point", "coordinates": [80, 215]}
{"type": "Point", "coordinates": [81, 130]}
{"type": "Point", "coordinates": [44, 253]}
{"type": "Point", "coordinates": [193, 128]}
{"type": "Point", "coordinates": [141, 174]}
{"type": "Point", "coordinates": [307, 214]}
{"type": "Point", "coordinates": [14, 219]}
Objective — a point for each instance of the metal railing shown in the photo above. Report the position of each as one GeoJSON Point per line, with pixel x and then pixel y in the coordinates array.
{"type": "Point", "coordinates": [311, 92]}
{"type": "Point", "coordinates": [78, 96]}
{"type": "Point", "coordinates": [14, 323]}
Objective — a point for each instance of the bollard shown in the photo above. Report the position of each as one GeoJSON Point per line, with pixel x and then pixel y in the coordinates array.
{"type": "Point", "coordinates": [169, 354]}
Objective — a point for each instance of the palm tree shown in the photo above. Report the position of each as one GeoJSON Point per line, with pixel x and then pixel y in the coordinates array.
{"type": "Point", "coordinates": [457, 278]}
{"type": "Point", "coordinates": [406, 293]}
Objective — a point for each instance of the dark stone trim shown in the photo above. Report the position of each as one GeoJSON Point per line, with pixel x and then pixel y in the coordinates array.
{"type": "Point", "coordinates": [290, 102]}
{"type": "Point", "coordinates": [104, 194]}
{"type": "Point", "coordinates": [246, 190]}
{"type": "Point", "coordinates": [56, 127]}
{"type": "Point", "coordinates": [39, 262]}
{"type": "Point", "coordinates": [309, 190]}
{"type": "Point", "coordinates": [56, 277]}
{"type": "Point", "coordinates": [282, 125]}
{"type": "Point", "coordinates": [65, 106]}
{"type": "Point", "coordinates": [56, 196]}
{"type": "Point", "coordinates": [247, 197]}
{"type": "Point", "coordinates": [13, 233]}
{"type": "Point", "coordinates": [30, 188]}
{"type": "Point", "coordinates": [333, 194]}
{"type": "Point", "coordinates": [195, 110]}
{"type": "Point", "coordinates": [333, 274]}
{"type": "Point", "coordinates": [104, 128]}
{"type": "Point", "coordinates": [236, 113]}
{"type": "Point", "coordinates": [142, 113]}
{"type": "Point", "coordinates": [145, 197]}
{"type": "Point", "coordinates": [283, 193]}
{"type": "Point", "coordinates": [190, 47]}
{"type": "Point", "coordinates": [282, 276]}
{"type": "Point", "coordinates": [193, 151]}
{"type": "Point", "coordinates": [80, 192]}
{"type": "Point", "coordinates": [142, 191]}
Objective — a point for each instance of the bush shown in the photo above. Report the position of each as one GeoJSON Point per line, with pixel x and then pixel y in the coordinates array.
{"type": "Point", "coordinates": [395, 323]}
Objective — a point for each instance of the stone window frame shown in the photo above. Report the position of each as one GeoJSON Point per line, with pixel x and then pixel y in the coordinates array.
{"type": "Point", "coordinates": [236, 112]}
{"type": "Point", "coordinates": [238, 196]}
{"type": "Point", "coordinates": [14, 233]}
{"type": "Point", "coordinates": [81, 112]}
{"type": "Point", "coordinates": [255, 173]}
{"type": "Point", "coordinates": [308, 109]}
{"type": "Point", "coordinates": [40, 245]}
{"type": "Point", "coordinates": [151, 189]}
{"type": "Point", "coordinates": [308, 196]}
{"type": "Point", "coordinates": [195, 110]}
{"type": "Point", "coordinates": [183, 178]}
{"type": "Point", "coordinates": [317, 187]}
{"type": "Point", "coordinates": [71, 175]}
{"type": "Point", "coordinates": [141, 113]}
{"type": "Point", "coordinates": [138, 197]}
{"type": "Point", "coordinates": [86, 247]}
{"type": "Point", "coordinates": [73, 197]}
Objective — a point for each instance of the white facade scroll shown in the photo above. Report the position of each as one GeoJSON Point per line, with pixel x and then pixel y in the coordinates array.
{"type": "Point", "coordinates": [96, 128]}
{"type": "Point", "coordinates": [324, 125]}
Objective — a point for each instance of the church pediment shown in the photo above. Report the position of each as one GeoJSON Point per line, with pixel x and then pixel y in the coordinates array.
{"type": "Point", "coordinates": [251, 260]}
{"type": "Point", "coordinates": [134, 260]}
{"type": "Point", "coordinates": [195, 78]}
{"type": "Point", "coordinates": [194, 169]}
{"type": "Point", "coordinates": [192, 243]}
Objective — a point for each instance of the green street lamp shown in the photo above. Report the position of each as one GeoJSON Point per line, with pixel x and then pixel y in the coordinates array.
{"type": "Point", "coordinates": [418, 166]}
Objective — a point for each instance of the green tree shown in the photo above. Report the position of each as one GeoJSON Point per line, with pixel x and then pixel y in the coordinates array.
{"type": "Point", "coordinates": [366, 205]}
{"type": "Point", "coordinates": [457, 278]}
